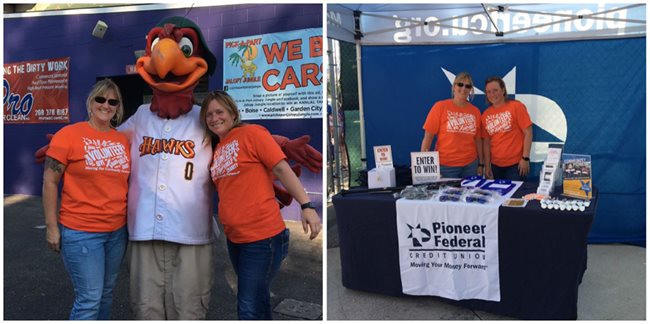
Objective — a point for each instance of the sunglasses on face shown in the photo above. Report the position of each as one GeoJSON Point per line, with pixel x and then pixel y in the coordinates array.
{"type": "Point", "coordinates": [112, 102]}
{"type": "Point", "coordinates": [466, 85]}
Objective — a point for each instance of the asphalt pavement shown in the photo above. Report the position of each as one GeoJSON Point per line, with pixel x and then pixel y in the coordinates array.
{"type": "Point", "coordinates": [37, 287]}
{"type": "Point", "coordinates": [613, 288]}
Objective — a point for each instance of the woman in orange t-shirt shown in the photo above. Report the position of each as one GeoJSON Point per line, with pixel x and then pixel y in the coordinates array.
{"type": "Point", "coordinates": [93, 160]}
{"type": "Point", "coordinates": [507, 134]}
{"type": "Point", "coordinates": [457, 124]}
{"type": "Point", "coordinates": [245, 159]}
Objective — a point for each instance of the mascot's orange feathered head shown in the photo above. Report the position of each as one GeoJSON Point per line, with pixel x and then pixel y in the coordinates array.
{"type": "Point", "coordinates": [177, 56]}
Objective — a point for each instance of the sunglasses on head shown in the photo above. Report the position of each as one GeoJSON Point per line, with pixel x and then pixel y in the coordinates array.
{"type": "Point", "coordinates": [466, 85]}
{"type": "Point", "coordinates": [112, 102]}
{"type": "Point", "coordinates": [222, 92]}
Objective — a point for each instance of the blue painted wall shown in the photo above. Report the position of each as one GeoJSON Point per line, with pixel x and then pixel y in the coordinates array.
{"type": "Point", "coordinates": [32, 38]}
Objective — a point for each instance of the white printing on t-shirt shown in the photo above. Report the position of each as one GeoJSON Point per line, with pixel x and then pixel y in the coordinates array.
{"type": "Point", "coordinates": [105, 155]}
{"type": "Point", "coordinates": [459, 122]}
{"type": "Point", "coordinates": [225, 161]}
{"type": "Point", "coordinates": [498, 123]}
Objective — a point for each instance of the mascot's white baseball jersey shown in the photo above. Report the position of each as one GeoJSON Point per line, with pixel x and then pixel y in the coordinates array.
{"type": "Point", "coordinates": [170, 193]}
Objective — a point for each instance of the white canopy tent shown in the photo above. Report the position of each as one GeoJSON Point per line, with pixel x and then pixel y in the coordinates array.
{"type": "Point", "coordinates": [420, 24]}
{"type": "Point", "coordinates": [383, 24]}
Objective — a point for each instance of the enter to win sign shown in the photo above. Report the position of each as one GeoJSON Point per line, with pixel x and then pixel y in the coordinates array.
{"type": "Point", "coordinates": [425, 166]}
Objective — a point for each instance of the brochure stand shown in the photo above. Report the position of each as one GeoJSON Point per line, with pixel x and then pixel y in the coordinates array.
{"type": "Point", "coordinates": [550, 176]}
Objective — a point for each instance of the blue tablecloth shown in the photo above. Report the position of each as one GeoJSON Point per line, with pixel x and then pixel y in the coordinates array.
{"type": "Point", "coordinates": [542, 254]}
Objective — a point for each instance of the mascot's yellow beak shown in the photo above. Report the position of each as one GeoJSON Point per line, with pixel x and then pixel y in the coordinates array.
{"type": "Point", "coordinates": [168, 69]}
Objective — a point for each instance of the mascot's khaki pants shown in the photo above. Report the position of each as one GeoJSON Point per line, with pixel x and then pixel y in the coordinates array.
{"type": "Point", "coordinates": [170, 280]}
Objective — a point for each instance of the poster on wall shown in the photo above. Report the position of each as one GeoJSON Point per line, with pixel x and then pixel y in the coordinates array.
{"type": "Point", "coordinates": [36, 91]}
{"type": "Point", "coordinates": [276, 76]}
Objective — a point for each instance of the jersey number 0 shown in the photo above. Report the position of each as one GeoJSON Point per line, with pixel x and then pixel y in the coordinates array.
{"type": "Point", "coordinates": [189, 170]}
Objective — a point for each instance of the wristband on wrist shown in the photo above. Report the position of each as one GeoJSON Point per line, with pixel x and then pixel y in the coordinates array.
{"type": "Point", "coordinates": [307, 205]}
{"type": "Point", "coordinates": [525, 158]}
{"type": "Point", "coordinates": [481, 165]}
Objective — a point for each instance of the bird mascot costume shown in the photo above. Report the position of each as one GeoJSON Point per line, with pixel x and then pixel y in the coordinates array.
{"type": "Point", "coordinates": [170, 190]}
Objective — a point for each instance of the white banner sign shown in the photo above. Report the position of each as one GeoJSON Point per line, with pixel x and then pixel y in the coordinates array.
{"type": "Point", "coordinates": [425, 167]}
{"type": "Point", "coordinates": [449, 249]}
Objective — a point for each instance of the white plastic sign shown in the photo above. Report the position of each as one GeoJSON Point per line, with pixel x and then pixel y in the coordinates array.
{"type": "Point", "coordinates": [383, 156]}
{"type": "Point", "coordinates": [425, 167]}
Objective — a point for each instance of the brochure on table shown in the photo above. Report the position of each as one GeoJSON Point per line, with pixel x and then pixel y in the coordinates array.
{"type": "Point", "coordinates": [425, 167]}
{"type": "Point", "coordinates": [577, 175]}
{"type": "Point", "coordinates": [383, 175]}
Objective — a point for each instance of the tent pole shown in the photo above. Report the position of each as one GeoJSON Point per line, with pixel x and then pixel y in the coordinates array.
{"type": "Point", "coordinates": [336, 132]}
{"type": "Point", "coordinates": [362, 122]}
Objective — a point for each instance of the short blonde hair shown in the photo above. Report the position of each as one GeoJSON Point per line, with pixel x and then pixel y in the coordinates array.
{"type": "Point", "coordinates": [463, 76]}
{"type": "Point", "coordinates": [100, 88]}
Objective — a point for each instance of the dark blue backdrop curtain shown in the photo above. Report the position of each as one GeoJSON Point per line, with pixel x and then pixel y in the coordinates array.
{"type": "Point", "coordinates": [599, 85]}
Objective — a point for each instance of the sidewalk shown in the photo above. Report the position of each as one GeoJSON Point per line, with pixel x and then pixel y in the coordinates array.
{"type": "Point", "coordinates": [36, 286]}
{"type": "Point", "coordinates": [613, 288]}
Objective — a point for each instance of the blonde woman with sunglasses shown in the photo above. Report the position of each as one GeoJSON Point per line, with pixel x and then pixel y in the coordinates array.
{"type": "Point", "coordinates": [456, 123]}
{"type": "Point", "coordinates": [89, 229]}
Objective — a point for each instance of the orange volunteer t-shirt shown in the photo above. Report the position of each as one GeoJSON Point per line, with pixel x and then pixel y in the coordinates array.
{"type": "Point", "coordinates": [95, 180]}
{"type": "Point", "coordinates": [241, 172]}
{"type": "Point", "coordinates": [505, 128]}
{"type": "Point", "coordinates": [457, 128]}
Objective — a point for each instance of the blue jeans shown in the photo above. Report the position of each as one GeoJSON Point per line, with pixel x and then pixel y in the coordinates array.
{"type": "Point", "coordinates": [459, 172]}
{"type": "Point", "coordinates": [256, 264]}
{"type": "Point", "coordinates": [93, 261]}
{"type": "Point", "coordinates": [509, 172]}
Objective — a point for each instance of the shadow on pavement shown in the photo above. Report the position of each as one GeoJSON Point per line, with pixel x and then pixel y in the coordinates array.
{"type": "Point", "coordinates": [37, 287]}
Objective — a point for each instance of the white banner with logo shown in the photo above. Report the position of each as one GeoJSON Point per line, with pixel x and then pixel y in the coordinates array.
{"type": "Point", "coordinates": [450, 249]}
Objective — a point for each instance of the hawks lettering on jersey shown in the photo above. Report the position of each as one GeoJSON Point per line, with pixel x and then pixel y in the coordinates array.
{"type": "Point", "coordinates": [154, 146]}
